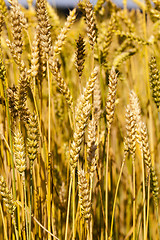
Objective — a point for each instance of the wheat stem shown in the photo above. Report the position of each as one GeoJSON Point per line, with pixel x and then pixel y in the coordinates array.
{"type": "Point", "coordinates": [106, 201]}
{"type": "Point", "coordinates": [134, 200]}
{"type": "Point", "coordinates": [115, 198]}
{"type": "Point", "coordinates": [30, 213]}
{"type": "Point", "coordinates": [25, 197]}
{"type": "Point", "coordinates": [4, 226]}
{"type": "Point", "coordinates": [147, 218]}
{"type": "Point", "coordinates": [91, 188]}
{"type": "Point", "coordinates": [144, 202]}
{"type": "Point", "coordinates": [10, 138]}
{"type": "Point", "coordinates": [15, 227]}
{"type": "Point", "coordinates": [148, 90]}
{"type": "Point", "coordinates": [73, 199]}
{"type": "Point", "coordinates": [49, 149]}
{"type": "Point", "coordinates": [68, 207]}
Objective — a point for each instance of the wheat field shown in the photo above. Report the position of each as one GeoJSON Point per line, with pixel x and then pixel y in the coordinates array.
{"type": "Point", "coordinates": [80, 121]}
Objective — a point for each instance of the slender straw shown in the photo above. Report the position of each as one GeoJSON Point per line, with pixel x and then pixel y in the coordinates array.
{"type": "Point", "coordinates": [25, 197]}
{"type": "Point", "coordinates": [115, 198]}
{"type": "Point", "coordinates": [68, 207]}
{"type": "Point", "coordinates": [73, 199]}
{"type": "Point", "coordinates": [49, 150]}
{"type": "Point", "coordinates": [134, 200]}
{"type": "Point", "coordinates": [106, 202]}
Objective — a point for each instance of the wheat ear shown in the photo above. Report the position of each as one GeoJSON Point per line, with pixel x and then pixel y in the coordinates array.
{"type": "Point", "coordinates": [148, 163]}
{"type": "Point", "coordinates": [131, 144]}
{"type": "Point", "coordinates": [9, 202]}
{"type": "Point", "coordinates": [82, 114]}
{"type": "Point", "coordinates": [91, 147]}
{"type": "Point", "coordinates": [80, 55]}
{"type": "Point", "coordinates": [32, 150]}
{"type": "Point", "coordinates": [62, 36]}
{"type": "Point", "coordinates": [155, 81]}
{"type": "Point", "coordinates": [20, 161]}
{"type": "Point", "coordinates": [110, 106]}
{"type": "Point", "coordinates": [16, 28]}
{"type": "Point", "coordinates": [44, 28]}
{"type": "Point", "coordinates": [90, 21]}
{"type": "Point", "coordinates": [62, 84]}
{"type": "Point", "coordinates": [84, 195]}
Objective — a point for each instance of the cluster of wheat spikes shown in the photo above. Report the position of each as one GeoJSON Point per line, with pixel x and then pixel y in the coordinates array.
{"type": "Point", "coordinates": [79, 121]}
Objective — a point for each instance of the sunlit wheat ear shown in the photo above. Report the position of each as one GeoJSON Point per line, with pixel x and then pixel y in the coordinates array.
{"type": "Point", "coordinates": [148, 163]}
{"type": "Point", "coordinates": [7, 197]}
{"type": "Point", "coordinates": [131, 131]}
{"type": "Point", "coordinates": [32, 140]}
{"type": "Point", "coordinates": [98, 8]}
{"type": "Point", "coordinates": [84, 195]}
{"type": "Point", "coordinates": [23, 20]}
{"type": "Point", "coordinates": [80, 55]}
{"type": "Point", "coordinates": [82, 117]}
{"type": "Point", "coordinates": [90, 21]}
{"type": "Point", "coordinates": [87, 91]}
{"type": "Point", "coordinates": [119, 59]}
{"type": "Point", "coordinates": [54, 17]}
{"type": "Point", "coordinates": [11, 92]}
{"type": "Point", "coordinates": [19, 153]}
{"type": "Point", "coordinates": [44, 27]}
{"type": "Point", "coordinates": [110, 105]}
{"type": "Point", "coordinates": [62, 84]}
{"type": "Point", "coordinates": [90, 84]}
{"type": "Point", "coordinates": [21, 95]}
{"type": "Point", "coordinates": [107, 39]}
{"type": "Point", "coordinates": [91, 147]}
{"type": "Point", "coordinates": [35, 55]}
{"type": "Point", "coordinates": [155, 81]}
{"type": "Point", "coordinates": [16, 28]}
{"type": "Point", "coordinates": [131, 36]}
{"type": "Point", "coordinates": [134, 103]}
{"type": "Point", "coordinates": [97, 101]}
{"type": "Point", "coordinates": [82, 113]}
{"type": "Point", "coordinates": [62, 36]}
{"type": "Point", "coordinates": [122, 48]}
{"type": "Point", "coordinates": [2, 71]}
{"type": "Point", "coordinates": [128, 22]}
{"type": "Point", "coordinates": [1, 22]}
{"type": "Point", "coordinates": [16, 57]}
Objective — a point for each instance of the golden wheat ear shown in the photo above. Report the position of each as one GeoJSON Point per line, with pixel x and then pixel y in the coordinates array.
{"type": "Point", "coordinates": [62, 36]}
{"type": "Point", "coordinates": [135, 106]}
{"type": "Point", "coordinates": [80, 55]}
{"type": "Point", "coordinates": [7, 197]}
{"type": "Point", "coordinates": [32, 140]}
{"type": "Point", "coordinates": [91, 147]}
{"type": "Point", "coordinates": [64, 89]}
{"type": "Point", "coordinates": [84, 195]}
{"type": "Point", "coordinates": [131, 131]}
{"type": "Point", "coordinates": [155, 81]}
{"type": "Point", "coordinates": [81, 121]}
{"type": "Point", "coordinates": [35, 54]}
{"type": "Point", "coordinates": [82, 115]}
{"type": "Point", "coordinates": [16, 28]}
{"type": "Point", "coordinates": [19, 153]}
{"type": "Point", "coordinates": [148, 163]}
{"type": "Point", "coordinates": [21, 95]}
{"type": "Point", "coordinates": [44, 28]}
{"type": "Point", "coordinates": [110, 105]}
{"type": "Point", "coordinates": [90, 22]}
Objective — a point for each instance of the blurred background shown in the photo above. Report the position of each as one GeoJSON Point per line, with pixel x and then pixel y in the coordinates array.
{"type": "Point", "coordinates": [72, 3]}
